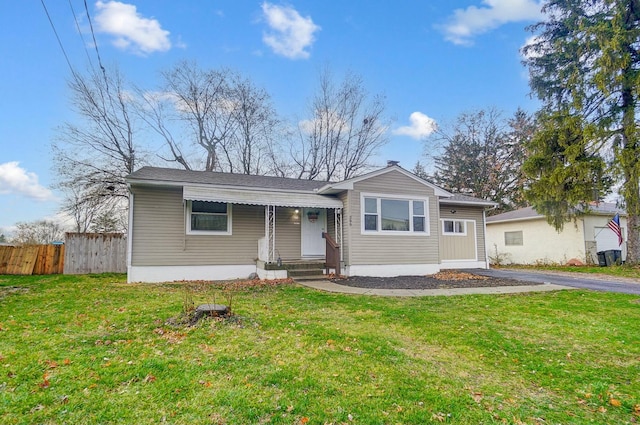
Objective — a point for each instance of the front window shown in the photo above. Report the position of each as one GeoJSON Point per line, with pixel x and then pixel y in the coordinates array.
{"type": "Point", "coordinates": [209, 217]}
{"type": "Point", "coordinates": [453, 227]}
{"type": "Point", "coordinates": [383, 215]}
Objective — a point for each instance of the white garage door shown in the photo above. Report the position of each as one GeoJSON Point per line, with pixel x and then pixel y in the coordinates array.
{"type": "Point", "coordinates": [606, 239]}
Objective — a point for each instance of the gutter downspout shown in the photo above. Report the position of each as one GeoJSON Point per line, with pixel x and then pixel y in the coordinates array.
{"type": "Point", "coordinates": [130, 236]}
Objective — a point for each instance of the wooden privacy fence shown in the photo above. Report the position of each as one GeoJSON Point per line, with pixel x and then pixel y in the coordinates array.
{"type": "Point", "coordinates": [32, 259]}
{"type": "Point", "coordinates": [95, 253]}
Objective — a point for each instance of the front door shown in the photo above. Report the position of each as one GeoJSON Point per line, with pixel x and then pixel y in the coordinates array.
{"type": "Point", "coordinates": [314, 222]}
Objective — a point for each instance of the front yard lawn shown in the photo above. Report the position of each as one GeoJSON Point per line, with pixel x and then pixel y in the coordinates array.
{"type": "Point", "coordinates": [95, 350]}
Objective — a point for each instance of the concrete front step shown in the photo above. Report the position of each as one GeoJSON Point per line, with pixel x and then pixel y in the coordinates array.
{"type": "Point", "coordinates": [294, 273]}
{"type": "Point", "coordinates": [295, 265]}
{"type": "Point", "coordinates": [310, 277]}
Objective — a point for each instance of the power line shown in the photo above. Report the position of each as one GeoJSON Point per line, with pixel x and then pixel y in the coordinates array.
{"type": "Point", "coordinates": [75, 18]}
{"type": "Point", "coordinates": [93, 35]}
{"type": "Point", "coordinates": [58, 38]}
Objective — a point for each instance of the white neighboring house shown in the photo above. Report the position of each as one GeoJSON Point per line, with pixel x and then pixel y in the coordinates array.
{"type": "Point", "coordinates": [524, 237]}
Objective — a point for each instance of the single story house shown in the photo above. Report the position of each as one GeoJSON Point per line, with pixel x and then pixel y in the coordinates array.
{"type": "Point", "coordinates": [190, 225]}
{"type": "Point", "coordinates": [524, 236]}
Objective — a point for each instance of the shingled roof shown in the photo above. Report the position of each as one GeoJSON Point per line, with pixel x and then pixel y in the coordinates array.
{"type": "Point", "coordinates": [173, 175]}
{"type": "Point", "coordinates": [529, 213]}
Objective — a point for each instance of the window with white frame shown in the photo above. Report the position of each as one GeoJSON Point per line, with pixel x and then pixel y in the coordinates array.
{"type": "Point", "coordinates": [208, 217]}
{"type": "Point", "coordinates": [454, 227]}
{"type": "Point", "coordinates": [393, 215]}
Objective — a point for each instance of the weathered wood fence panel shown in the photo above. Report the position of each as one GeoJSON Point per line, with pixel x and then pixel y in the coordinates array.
{"type": "Point", "coordinates": [31, 259]}
{"type": "Point", "coordinates": [95, 253]}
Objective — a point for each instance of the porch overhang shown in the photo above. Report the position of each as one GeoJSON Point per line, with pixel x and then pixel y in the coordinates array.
{"type": "Point", "coordinates": [259, 197]}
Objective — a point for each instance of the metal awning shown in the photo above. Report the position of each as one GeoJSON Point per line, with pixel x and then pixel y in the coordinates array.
{"type": "Point", "coordinates": [256, 197]}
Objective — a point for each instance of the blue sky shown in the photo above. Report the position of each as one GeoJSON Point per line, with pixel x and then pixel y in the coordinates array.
{"type": "Point", "coordinates": [432, 60]}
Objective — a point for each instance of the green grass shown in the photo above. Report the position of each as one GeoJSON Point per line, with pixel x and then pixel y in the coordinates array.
{"type": "Point", "coordinates": [95, 350]}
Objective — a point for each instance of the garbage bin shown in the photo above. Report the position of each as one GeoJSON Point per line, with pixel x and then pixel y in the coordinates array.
{"type": "Point", "coordinates": [610, 257]}
{"type": "Point", "coordinates": [602, 261]}
{"type": "Point", "coordinates": [617, 255]}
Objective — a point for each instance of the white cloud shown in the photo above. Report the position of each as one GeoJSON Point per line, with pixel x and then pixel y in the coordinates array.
{"type": "Point", "coordinates": [131, 31]}
{"type": "Point", "coordinates": [469, 22]}
{"type": "Point", "coordinates": [15, 180]}
{"type": "Point", "coordinates": [421, 126]}
{"type": "Point", "coordinates": [290, 34]}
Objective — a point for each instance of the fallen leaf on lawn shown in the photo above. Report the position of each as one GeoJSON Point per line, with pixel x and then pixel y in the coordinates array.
{"type": "Point", "coordinates": [440, 417]}
{"type": "Point", "coordinates": [51, 364]}
{"type": "Point", "coordinates": [36, 408]}
{"type": "Point", "coordinates": [304, 420]}
{"type": "Point", "coordinates": [290, 408]}
{"type": "Point", "coordinates": [615, 402]}
{"type": "Point", "coordinates": [602, 409]}
{"type": "Point", "coordinates": [66, 362]}
{"type": "Point", "coordinates": [45, 381]}
{"type": "Point", "coordinates": [149, 378]}
{"type": "Point", "coordinates": [477, 397]}
{"type": "Point", "coordinates": [636, 408]}
{"type": "Point", "coordinates": [64, 399]}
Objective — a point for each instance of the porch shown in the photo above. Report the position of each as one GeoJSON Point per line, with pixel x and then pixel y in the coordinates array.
{"type": "Point", "coordinates": [299, 227]}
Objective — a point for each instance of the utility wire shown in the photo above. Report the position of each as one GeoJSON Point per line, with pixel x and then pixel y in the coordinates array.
{"type": "Point", "coordinates": [58, 38]}
{"type": "Point", "coordinates": [93, 35]}
{"type": "Point", "coordinates": [75, 18]}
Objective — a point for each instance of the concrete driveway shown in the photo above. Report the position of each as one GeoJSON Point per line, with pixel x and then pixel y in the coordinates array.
{"type": "Point", "coordinates": [575, 280]}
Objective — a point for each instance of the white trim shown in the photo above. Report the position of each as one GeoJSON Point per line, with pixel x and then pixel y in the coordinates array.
{"type": "Point", "coordinates": [188, 230]}
{"type": "Point", "coordinates": [463, 220]}
{"type": "Point", "coordinates": [484, 230]}
{"type": "Point", "coordinates": [464, 264]}
{"type": "Point", "coordinates": [154, 274]}
{"type": "Point", "coordinates": [390, 270]}
{"type": "Point", "coordinates": [379, 197]}
{"type": "Point", "coordinates": [130, 231]}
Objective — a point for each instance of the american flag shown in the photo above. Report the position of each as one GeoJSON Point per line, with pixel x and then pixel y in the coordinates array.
{"type": "Point", "coordinates": [614, 225]}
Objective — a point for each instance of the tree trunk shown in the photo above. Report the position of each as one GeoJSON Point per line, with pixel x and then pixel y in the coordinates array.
{"type": "Point", "coordinates": [629, 161]}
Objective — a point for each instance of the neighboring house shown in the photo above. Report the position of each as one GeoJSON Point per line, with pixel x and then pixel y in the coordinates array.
{"type": "Point", "coordinates": [524, 237]}
{"type": "Point", "coordinates": [209, 225]}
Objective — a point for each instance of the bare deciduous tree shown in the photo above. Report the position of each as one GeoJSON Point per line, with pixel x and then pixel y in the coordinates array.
{"type": "Point", "coordinates": [93, 157]}
{"type": "Point", "coordinates": [37, 232]}
{"type": "Point", "coordinates": [345, 130]}
{"type": "Point", "coordinates": [225, 115]}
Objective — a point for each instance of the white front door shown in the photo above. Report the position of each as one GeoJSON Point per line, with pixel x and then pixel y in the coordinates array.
{"type": "Point", "coordinates": [314, 222]}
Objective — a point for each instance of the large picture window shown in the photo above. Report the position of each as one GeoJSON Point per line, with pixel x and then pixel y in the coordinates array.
{"type": "Point", "coordinates": [392, 215]}
{"type": "Point", "coordinates": [209, 217]}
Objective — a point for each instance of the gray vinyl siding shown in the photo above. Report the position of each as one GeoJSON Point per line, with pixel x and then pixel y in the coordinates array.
{"type": "Point", "coordinates": [160, 239]}
{"type": "Point", "coordinates": [452, 245]}
{"type": "Point", "coordinates": [288, 231]}
{"type": "Point", "coordinates": [391, 249]}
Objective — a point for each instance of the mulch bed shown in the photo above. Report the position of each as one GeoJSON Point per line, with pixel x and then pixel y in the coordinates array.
{"type": "Point", "coordinates": [444, 280]}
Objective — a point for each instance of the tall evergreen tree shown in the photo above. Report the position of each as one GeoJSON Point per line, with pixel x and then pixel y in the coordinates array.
{"type": "Point", "coordinates": [584, 66]}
